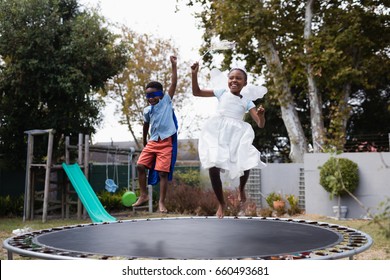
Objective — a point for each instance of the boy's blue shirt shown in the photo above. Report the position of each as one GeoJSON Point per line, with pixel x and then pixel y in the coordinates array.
{"type": "Point", "coordinates": [160, 119]}
{"type": "Point", "coordinates": [163, 124]}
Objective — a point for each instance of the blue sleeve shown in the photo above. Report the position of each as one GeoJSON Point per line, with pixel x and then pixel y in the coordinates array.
{"type": "Point", "coordinates": [167, 97]}
{"type": "Point", "coordinates": [147, 114]}
{"type": "Point", "coordinates": [218, 92]}
{"type": "Point", "coordinates": [250, 105]}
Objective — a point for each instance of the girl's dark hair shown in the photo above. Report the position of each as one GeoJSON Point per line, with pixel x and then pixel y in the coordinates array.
{"type": "Point", "coordinates": [155, 85]}
{"type": "Point", "coordinates": [239, 69]}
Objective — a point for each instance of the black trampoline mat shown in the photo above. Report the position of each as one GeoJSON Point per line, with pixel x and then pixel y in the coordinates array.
{"type": "Point", "coordinates": [193, 238]}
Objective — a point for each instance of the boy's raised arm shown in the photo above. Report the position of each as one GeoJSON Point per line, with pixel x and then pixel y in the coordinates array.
{"type": "Point", "coordinates": [172, 87]}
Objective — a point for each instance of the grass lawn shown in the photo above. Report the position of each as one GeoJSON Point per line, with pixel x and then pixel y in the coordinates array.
{"type": "Point", "coordinates": [380, 250]}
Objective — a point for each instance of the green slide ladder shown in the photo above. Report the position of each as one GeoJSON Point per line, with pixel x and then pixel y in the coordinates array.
{"type": "Point", "coordinates": [88, 197]}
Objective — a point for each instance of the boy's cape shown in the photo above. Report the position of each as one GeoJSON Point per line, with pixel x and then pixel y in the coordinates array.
{"type": "Point", "coordinates": [153, 177]}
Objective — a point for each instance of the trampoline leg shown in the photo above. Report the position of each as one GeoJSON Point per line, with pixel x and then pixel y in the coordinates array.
{"type": "Point", "coordinates": [150, 202]}
{"type": "Point", "coordinates": [10, 255]}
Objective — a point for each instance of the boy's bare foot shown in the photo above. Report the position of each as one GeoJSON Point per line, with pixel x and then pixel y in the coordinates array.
{"type": "Point", "coordinates": [141, 200]}
{"type": "Point", "coordinates": [221, 211]}
{"type": "Point", "coordinates": [162, 208]}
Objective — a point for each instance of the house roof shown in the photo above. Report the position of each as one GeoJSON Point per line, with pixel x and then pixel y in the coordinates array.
{"type": "Point", "coordinates": [112, 152]}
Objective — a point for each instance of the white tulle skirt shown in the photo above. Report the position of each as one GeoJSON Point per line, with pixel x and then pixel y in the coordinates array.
{"type": "Point", "coordinates": [226, 143]}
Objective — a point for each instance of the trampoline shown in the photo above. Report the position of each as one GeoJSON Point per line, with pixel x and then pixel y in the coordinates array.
{"type": "Point", "coordinates": [193, 238]}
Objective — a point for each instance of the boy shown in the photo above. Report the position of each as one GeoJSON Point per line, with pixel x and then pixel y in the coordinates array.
{"type": "Point", "coordinates": [159, 152]}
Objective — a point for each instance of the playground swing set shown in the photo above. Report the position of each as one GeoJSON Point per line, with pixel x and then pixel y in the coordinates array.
{"type": "Point", "coordinates": [77, 174]}
{"type": "Point", "coordinates": [111, 185]}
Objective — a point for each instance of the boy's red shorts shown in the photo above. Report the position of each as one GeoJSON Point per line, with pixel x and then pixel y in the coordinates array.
{"type": "Point", "coordinates": [159, 151]}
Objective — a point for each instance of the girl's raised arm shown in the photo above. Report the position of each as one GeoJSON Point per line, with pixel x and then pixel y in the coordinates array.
{"type": "Point", "coordinates": [196, 91]}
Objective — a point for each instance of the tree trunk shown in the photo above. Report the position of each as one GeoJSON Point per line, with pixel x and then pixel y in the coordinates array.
{"type": "Point", "coordinates": [343, 114]}
{"type": "Point", "coordinates": [127, 118]}
{"type": "Point", "coordinates": [316, 118]}
{"type": "Point", "coordinates": [287, 105]}
{"type": "Point", "coordinates": [137, 143]}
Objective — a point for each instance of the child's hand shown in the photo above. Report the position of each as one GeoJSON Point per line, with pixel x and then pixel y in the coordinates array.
{"type": "Point", "coordinates": [173, 59]}
{"type": "Point", "coordinates": [195, 67]}
{"type": "Point", "coordinates": [260, 111]}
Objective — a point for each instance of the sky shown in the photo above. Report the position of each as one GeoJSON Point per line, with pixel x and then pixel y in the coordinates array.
{"type": "Point", "coordinates": [157, 17]}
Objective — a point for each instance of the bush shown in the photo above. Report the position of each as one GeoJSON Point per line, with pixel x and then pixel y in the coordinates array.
{"type": "Point", "coordinates": [110, 201]}
{"type": "Point", "coordinates": [188, 176]}
{"type": "Point", "coordinates": [11, 206]}
{"type": "Point", "coordinates": [185, 199]}
{"type": "Point", "coordinates": [383, 218]}
{"type": "Point", "coordinates": [189, 200]}
{"type": "Point", "coordinates": [338, 175]}
{"type": "Point", "coordinates": [265, 212]}
{"type": "Point", "coordinates": [293, 202]}
{"type": "Point", "coordinates": [233, 205]}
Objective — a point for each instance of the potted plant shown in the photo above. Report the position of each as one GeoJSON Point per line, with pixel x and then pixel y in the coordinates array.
{"type": "Point", "coordinates": [275, 201]}
{"type": "Point", "coordinates": [339, 176]}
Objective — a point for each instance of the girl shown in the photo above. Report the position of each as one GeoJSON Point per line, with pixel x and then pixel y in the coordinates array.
{"type": "Point", "coordinates": [226, 140]}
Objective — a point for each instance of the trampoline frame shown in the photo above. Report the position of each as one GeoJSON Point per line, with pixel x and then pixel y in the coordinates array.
{"type": "Point", "coordinates": [354, 242]}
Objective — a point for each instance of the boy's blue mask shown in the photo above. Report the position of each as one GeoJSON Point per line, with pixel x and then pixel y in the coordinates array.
{"type": "Point", "coordinates": [154, 94]}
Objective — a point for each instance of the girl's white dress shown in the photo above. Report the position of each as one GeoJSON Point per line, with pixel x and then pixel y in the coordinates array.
{"type": "Point", "coordinates": [226, 140]}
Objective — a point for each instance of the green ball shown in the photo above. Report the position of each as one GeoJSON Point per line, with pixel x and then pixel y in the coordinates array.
{"type": "Point", "coordinates": [129, 198]}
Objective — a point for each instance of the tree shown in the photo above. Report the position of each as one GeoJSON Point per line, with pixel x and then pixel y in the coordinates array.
{"type": "Point", "coordinates": [369, 125]}
{"type": "Point", "coordinates": [246, 26]}
{"type": "Point", "coordinates": [54, 55]}
{"type": "Point", "coordinates": [149, 60]}
{"type": "Point", "coordinates": [352, 40]}
{"type": "Point", "coordinates": [315, 101]}
{"type": "Point", "coordinates": [321, 52]}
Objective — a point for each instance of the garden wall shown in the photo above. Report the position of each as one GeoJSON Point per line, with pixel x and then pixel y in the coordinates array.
{"type": "Point", "coordinates": [302, 180]}
{"type": "Point", "coordinates": [374, 186]}
{"type": "Point", "coordinates": [284, 178]}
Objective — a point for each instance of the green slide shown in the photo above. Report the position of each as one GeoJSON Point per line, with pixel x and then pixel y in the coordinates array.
{"type": "Point", "coordinates": [88, 197]}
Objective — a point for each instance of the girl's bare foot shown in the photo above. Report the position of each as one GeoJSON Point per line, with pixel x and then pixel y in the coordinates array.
{"type": "Point", "coordinates": [141, 200]}
{"type": "Point", "coordinates": [242, 197]}
{"type": "Point", "coordinates": [221, 211]}
{"type": "Point", "coordinates": [242, 200]}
